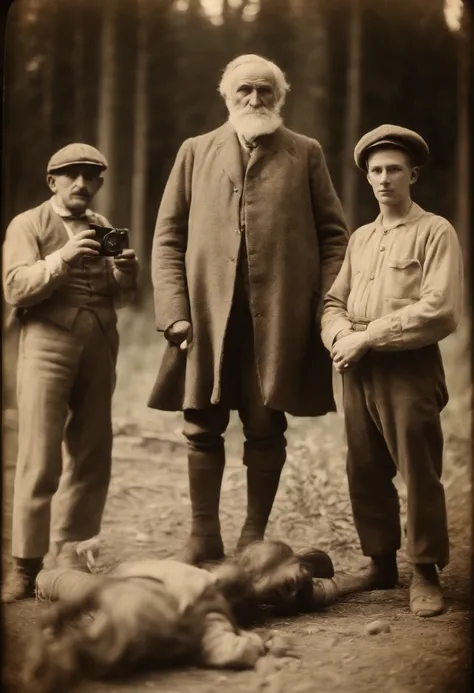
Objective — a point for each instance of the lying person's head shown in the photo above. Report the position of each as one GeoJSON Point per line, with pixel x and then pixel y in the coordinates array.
{"type": "Point", "coordinates": [280, 577]}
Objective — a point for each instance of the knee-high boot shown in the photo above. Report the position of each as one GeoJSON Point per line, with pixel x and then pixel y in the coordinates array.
{"type": "Point", "coordinates": [205, 472]}
{"type": "Point", "coordinates": [262, 486]}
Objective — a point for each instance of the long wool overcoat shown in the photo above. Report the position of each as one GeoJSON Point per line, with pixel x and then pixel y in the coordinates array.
{"type": "Point", "coordinates": [296, 240]}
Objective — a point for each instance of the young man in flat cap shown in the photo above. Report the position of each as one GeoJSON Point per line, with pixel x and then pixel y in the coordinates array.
{"type": "Point", "coordinates": [399, 292]}
{"type": "Point", "coordinates": [65, 293]}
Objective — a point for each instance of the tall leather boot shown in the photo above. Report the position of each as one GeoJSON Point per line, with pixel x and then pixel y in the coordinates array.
{"type": "Point", "coordinates": [205, 472]}
{"type": "Point", "coordinates": [262, 486]}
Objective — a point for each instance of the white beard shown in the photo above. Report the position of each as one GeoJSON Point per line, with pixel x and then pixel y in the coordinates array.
{"type": "Point", "coordinates": [250, 125]}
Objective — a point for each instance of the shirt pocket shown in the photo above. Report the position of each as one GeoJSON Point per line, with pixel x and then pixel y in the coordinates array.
{"type": "Point", "coordinates": [403, 278]}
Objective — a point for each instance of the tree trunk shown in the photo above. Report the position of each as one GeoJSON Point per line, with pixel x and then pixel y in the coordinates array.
{"type": "Point", "coordinates": [107, 90]}
{"type": "Point", "coordinates": [463, 139]}
{"type": "Point", "coordinates": [48, 13]}
{"type": "Point", "coordinates": [140, 134]}
{"type": "Point", "coordinates": [309, 81]}
{"type": "Point", "coordinates": [353, 113]}
{"type": "Point", "coordinates": [78, 71]}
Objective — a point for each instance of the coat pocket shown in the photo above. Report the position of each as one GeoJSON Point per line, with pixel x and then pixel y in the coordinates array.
{"type": "Point", "coordinates": [403, 278]}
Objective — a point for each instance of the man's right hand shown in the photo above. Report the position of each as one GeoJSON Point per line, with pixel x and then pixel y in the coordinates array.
{"type": "Point", "coordinates": [180, 333]}
{"type": "Point", "coordinates": [81, 245]}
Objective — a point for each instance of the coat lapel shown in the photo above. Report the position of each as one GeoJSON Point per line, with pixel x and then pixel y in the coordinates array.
{"type": "Point", "coordinates": [272, 146]}
{"type": "Point", "coordinates": [230, 156]}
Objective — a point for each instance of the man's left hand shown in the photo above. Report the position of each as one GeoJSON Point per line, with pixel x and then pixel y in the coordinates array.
{"type": "Point", "coordinates": [348, 350]}
{"type": "Point", "coordinates": [127, 261]}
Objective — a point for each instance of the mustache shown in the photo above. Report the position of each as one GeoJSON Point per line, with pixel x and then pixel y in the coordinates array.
{"type": "Point", "coordinates": [258, 111]}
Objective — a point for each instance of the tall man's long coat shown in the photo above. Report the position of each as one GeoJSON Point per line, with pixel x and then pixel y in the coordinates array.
{"type": "Point", "coordinates": [296, 240]}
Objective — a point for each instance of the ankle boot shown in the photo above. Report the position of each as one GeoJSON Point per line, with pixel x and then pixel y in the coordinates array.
{"type": "Point", "coordinates": [382, 573]}
{"type": "Point", "coordinates": [20, 581]}
{"type": "Point", "coordinates": [262, 486]}
{"type": "Point", "coordinates": [205, 471]}
{"type": "Point", "coordinates": [426, 596]}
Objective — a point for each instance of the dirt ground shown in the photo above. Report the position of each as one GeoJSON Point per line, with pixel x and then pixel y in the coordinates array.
{"type": "Point", "coordinates": [147, 514]}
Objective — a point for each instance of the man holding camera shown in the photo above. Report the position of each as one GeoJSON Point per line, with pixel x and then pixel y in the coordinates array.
{"type": "Point", "coordinates": [64, 280]}
{"type": "Point", "coordinates": [249, 236]}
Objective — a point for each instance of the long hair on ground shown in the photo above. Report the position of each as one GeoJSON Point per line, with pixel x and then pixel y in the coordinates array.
{"type": "Point", "coordinates": [118, 627]}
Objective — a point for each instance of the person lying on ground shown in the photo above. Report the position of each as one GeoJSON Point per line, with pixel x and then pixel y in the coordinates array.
{"type": "Point", "coordinates": [152, 613]}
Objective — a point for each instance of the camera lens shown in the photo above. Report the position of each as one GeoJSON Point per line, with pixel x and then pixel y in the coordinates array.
{"type": "Point", "coordinates": [111, 242]}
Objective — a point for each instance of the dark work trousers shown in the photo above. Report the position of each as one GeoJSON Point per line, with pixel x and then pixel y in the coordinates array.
{"type": "Point", "coordinates": [392, 405]}
{"type": "Point", "coordinates": [264, 428]}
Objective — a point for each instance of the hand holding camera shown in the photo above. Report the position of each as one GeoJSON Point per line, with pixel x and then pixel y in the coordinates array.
{"type": "Point", "coordinates": [80, 246]}
{"type": "Point", "coordinates": [127, 262]}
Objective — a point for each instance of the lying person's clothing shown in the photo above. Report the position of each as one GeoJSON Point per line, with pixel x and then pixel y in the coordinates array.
{"type": "Point", "coordinates": [222, 643]}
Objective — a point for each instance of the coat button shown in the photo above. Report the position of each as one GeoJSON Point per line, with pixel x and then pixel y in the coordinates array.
{"type": "Point", "coordinates": [382, 248]}
{"type": "Point", "coordinates": [371, 277]}
{"type": "Point", "coordinates": [236, 190]}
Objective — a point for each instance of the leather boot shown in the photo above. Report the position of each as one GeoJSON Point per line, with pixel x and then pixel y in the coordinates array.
{"type": "Point", "coordinates": [20, 581]}
{"type": "Point", "coordinates": [382, 573]}
{"type": "Point", "coordinates": [262, 486]}
{"type": "Point", "coordinates": [205, 471]}
{"type": "Point", "coordinates": [426, 597]}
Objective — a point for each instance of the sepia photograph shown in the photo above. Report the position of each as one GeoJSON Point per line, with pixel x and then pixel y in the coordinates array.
{"type": "Point", "coordinates": [236, 346]}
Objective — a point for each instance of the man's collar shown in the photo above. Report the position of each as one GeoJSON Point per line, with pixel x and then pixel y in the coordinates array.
{"type": "Point", "coordinates": [249, 146]}
{"type": "Point", "coordinates": [415, 212]}
{"type": "Point", "coordinates": [61, 210]}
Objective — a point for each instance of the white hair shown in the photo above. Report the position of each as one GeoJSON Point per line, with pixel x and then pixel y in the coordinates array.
{"type": "Point", "coordinates": [281, 85]}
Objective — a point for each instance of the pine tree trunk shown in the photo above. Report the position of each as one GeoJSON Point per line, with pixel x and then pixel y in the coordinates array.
{"type": "Point", "coordinates": [463, 140]}
{"type": "Point", "coordinates": [107, 90]}
{"type": "Point", "coordinates": [78, 71]}
{"type": "Point", "coordinates": [353, 114]}
{"type": "Point", "coordinates": [140, 134]}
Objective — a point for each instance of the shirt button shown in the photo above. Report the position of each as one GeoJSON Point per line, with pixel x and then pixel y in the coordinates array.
{"type": "Point", "coordinates": [371, 277]}
{"type": "Point", "coordinates": [237, 231]}
{"type": "Point", "coordinates": [382, 248]}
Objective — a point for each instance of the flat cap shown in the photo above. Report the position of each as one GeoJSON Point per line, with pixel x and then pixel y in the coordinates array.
{"type": "Point", "coordinates": [76, 153]}
{"type": "Point", "coordinates": [396, 136]}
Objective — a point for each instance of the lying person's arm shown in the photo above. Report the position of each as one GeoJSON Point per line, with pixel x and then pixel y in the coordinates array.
{"type": "Point", "coordinates": [225, 647]}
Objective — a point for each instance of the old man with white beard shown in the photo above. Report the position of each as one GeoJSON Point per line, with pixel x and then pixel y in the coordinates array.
{"type": "Point", "coordinates": [250, 234]}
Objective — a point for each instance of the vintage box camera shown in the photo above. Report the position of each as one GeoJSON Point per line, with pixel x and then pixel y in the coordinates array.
{"type": "Point", "coordinates": [112, 241]}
